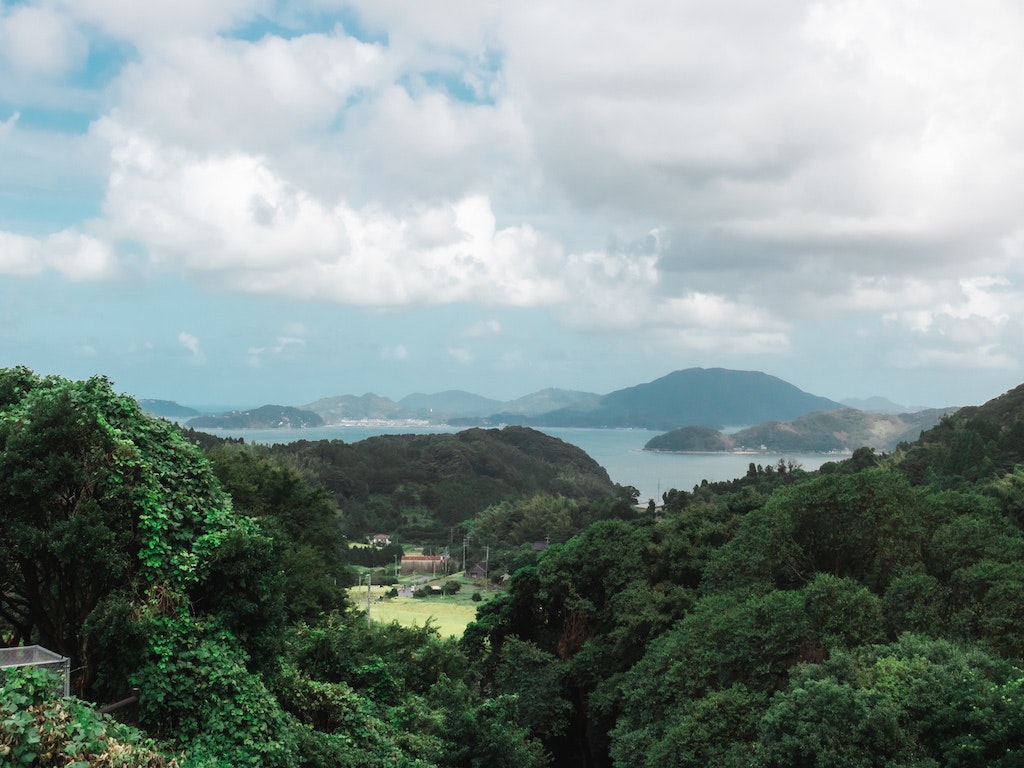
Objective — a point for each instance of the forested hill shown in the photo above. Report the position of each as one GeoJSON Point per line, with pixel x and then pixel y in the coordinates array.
{"type": "Point", "coordinates": [418, 486]}
{"type": "Point", "coordinates": [710, 397]}
{"type": "Point", "coordinates": [867, 614]}
{"type": "Point", "coordinates": [841, 430]}
{"type": "Point", "coordinates": [974, 444]}
{"type": "Point", "coordinates": [1005, 412]}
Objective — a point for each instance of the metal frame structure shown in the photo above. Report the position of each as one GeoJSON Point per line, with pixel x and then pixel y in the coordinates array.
{"type": "Point", "coordinates": [37, 656]}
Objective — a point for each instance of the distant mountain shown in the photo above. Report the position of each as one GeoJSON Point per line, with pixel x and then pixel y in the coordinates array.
{"type": "Point", "coordinates": [824, 431]}
{"type": "Point", "coordinates": [452, 406]}
{"type": "Point", "coordinates": [335, 410]}
{"type": "Point", "coordinates": [452, 402]}
{"type": "Point", "coordinates": [880, 405]}
{"type": "Point", "coordinates": [167, 409]}
{"type": "Point", "coordinates": [265, 417]}
{"type": "Point", "coordinates": [547, 400]}
{"type": "Point", "coordinates": [710, 397]}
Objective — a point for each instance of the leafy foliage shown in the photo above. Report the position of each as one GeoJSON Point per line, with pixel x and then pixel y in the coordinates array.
{"type": "Point", "coordinates": [418, 487]}
{"type": "Point", "coordinates": [865, 615]}
{"type": "Point", "coordinates": [38, 730]}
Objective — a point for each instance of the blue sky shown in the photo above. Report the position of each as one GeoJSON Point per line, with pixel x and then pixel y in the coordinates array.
{"type": "Point", "coordinates": [242, 201]}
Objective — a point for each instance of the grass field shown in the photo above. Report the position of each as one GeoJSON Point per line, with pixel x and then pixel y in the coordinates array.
{"type": "Point", "coordinates": [448, 614]}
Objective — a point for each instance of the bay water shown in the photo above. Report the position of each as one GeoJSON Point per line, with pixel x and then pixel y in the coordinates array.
{"type": "Point", "coordinates": [619, 451]}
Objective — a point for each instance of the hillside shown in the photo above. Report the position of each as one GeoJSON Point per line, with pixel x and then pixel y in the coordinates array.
{"type": "Point", "coordinates": [547, 400]}
{"type": "Point", "coordinates": [842, 430]}
{"type": "Point", "coordinates": [264, 417]}
{"type": "Point", "coordinates": [451, 402]}
{"type": "Point", "coordinates": [418, 486]}
{"type": "Point", "coordinates": [335, 410]}
{"type": "Point", "coordinates": [167, 409]}
{"type": "Point", "coordinates": [971, 444]}
{"type": "Point", "coordinates": [1006, 411]}
{"type": "Point", "coordinates": [880, 405]}
{"type": "Point", "coordinates": [710, 397]}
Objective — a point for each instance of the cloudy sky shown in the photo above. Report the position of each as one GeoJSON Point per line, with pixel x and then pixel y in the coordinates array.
{"type": "Point", "coordinates": [246, 201]}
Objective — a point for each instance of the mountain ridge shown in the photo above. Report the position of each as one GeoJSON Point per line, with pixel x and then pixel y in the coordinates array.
{"type": "Point", "coordinates": [710, 397]}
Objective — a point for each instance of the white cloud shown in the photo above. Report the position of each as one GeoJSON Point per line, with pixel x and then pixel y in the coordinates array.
{"type": "Point", "coordinates": [146, 21]}
{"type": "Point", "coordinates": [975, 323]}
{"type": "Point", "coordinates": [749, 167]}
{"type": "Point", "coordinates": [7, 126]}
{"type": "Point", "coordinates": [233, 219]}
{"type": "Point", "coordinates": [261, 96]}
{"type": "Point", "coordinates": [19, 255]}
{"type": "Point", "coordinates": [483, 329]}
{"type": "Point", "coordinates": [396, 352]}
{"type": "Point", "coordinates": [40, 41]}
{"type": "Point", "coordinates": [77, 256]}
{"type": "Point", "coordinates": [281, 346]}
{"type": "Point", "coordinates": [461, 355]}
{"type": "Point", "coordinates": [191, 344]}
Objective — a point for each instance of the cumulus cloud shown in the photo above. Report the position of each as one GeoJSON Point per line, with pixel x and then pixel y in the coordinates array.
{"type": "Point", "coordinates": [148, 21]}
{"type": "Point", "coordinates": [191, 344]}
{"type": "Point", "coordinates": [282, 345]}
{"type": "Point", "coordinates": [75, 255]}
{"type": "Point", "coordinates": [40, 41]}
{"type": "Point", "coordinates": [746, 167]}
{"type": "Point", "coordinates": [234, 220]}
{"type": "Point", "coordinates": [973, 323]}
{"type": "Point", "coordinates": [396, 352]}
{"type": "Point", "coordinates": [209, 93]}
{"type": "Point", "coordinates": [7, 126]}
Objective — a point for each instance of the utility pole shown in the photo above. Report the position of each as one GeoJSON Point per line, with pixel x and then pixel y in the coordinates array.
{"type": "Point", "coordinates": [464, 568]}
{"type": "Point", "coordinates": [487, 563]}
{"type": "Point", "coordinates": [369, 578]}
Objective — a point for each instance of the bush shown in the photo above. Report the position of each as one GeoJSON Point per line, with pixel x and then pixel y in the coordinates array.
{"type": "Point", "coordinates": [38, 729]}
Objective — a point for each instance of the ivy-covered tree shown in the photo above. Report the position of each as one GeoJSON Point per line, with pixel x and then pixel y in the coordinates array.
{"type": "Point", "coordinates": [302, 520]}
{"type": "Point", "coordinates": [121, 551]}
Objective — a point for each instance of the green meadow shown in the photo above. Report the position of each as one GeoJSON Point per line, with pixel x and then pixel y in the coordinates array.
{"type": "Point", "coordinates": [449, 614]}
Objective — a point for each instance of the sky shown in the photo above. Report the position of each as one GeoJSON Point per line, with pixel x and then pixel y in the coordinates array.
{"type": "Point", "coordinates": [243, 202]}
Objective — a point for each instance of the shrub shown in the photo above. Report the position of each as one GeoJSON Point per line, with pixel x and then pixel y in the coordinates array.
{"type": "Point", "coordinates": [38, 729]}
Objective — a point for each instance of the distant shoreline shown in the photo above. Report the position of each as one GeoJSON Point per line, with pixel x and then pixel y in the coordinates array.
{"type": "Point", "coordinates": [766, 452]}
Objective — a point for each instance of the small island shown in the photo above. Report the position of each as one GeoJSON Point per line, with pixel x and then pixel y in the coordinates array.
{"type": "Point", "coordinates": [835, 431]}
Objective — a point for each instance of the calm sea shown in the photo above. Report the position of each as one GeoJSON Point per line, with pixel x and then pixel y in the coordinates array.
{"type": "Point", "coordinates": [619, 451]}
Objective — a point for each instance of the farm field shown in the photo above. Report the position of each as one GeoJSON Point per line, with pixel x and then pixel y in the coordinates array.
{"type": "Point", "coordinates": [449, 614]}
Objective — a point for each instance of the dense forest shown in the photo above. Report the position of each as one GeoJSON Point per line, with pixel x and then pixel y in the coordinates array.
{"type": "Point", "coordinates": [867, 614]}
